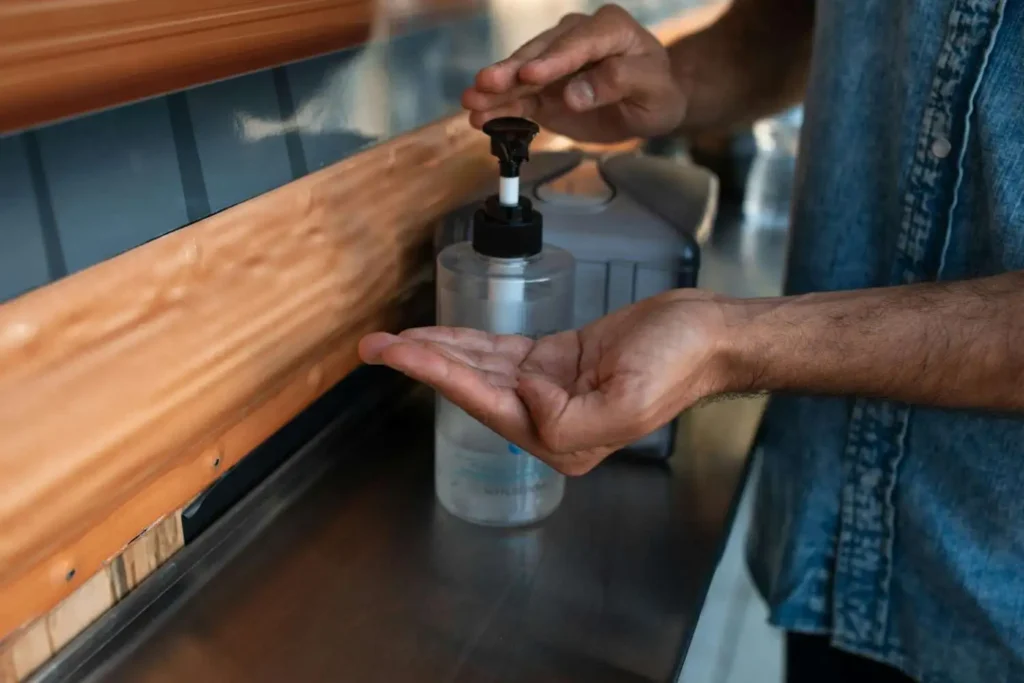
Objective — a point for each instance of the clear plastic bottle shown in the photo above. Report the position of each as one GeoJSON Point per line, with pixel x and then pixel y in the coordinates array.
{"type": "Point", "coordinates": [480, 476]}
{"type": "Point", "coordinates": [506, 281]}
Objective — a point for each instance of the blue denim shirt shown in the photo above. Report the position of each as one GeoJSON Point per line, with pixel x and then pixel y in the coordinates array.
{"type": "Point", "coordinates": [899, 530]}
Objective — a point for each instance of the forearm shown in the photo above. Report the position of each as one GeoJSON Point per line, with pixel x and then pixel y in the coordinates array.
{"type": "Point", "coordinates": [957, 345]}
{"type": "Point", "coordinates": [752, 62]}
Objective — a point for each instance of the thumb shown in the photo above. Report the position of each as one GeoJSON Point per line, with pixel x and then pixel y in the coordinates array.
{"type": "Point", "coordinates": [567, 423]}
{"type": "Point", "coordinates": [542, 397]}
{"type": "Point", "coordinates": [639, 77]}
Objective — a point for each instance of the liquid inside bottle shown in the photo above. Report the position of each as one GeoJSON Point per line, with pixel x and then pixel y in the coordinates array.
{"type": "Point", "coordinates": [480, 476]}
{"type": "Point", "coordinates": [483, 478]}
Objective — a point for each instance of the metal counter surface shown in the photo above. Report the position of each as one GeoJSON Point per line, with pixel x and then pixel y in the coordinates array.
{"type": "Point", "coordinates": [365, 578]}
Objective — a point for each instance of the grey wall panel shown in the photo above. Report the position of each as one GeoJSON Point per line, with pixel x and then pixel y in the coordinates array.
{"type": "Point", "coordinates": [418, 64]}
{"type": "Point", "coordinates": [114, 180]}
{"type": "Point", "coordinates": [240, 153]}
{"type": "Point", "coordinates": [23, 264]}
{"type": "Point", "coordinates": [340, 103]}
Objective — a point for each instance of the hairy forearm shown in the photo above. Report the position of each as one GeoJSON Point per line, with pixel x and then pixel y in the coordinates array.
{"type": "Point", "coordinates": [956, 345]}
{"type": "Point", "coordinates": [752, 62]}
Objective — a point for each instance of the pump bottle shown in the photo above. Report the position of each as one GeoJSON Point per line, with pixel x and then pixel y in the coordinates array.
{"type": "Point", "coordinates": [504, 281]}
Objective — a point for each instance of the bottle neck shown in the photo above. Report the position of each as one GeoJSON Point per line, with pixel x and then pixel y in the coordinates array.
{"type": "Point", "coordinates": [508, 232]}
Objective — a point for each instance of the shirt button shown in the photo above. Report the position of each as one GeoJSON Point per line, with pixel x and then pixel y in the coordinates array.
{"type": "Point", "coordinates": [941, 148]}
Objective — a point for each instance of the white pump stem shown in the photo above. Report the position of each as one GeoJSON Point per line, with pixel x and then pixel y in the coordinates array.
{"type": "Point", "coordinates": [508, 191]}
{"type": "Point", "coordinates": [505, 294]}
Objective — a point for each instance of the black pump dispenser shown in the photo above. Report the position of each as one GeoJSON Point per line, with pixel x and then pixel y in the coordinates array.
{"type": "Point", "coordinates": [501, 231]}
{"type": "Point", "coordinates": [510, 142]}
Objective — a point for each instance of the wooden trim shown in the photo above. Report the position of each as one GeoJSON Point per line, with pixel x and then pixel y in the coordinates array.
{"type": "Point", "coordinates": [24, 652]}
{"type": "Point", "coordinates": [129, 387]}
{"type": "Point", "coordinates": [28, 648]}
{"type": "Point", "coordinates": [59, 59]}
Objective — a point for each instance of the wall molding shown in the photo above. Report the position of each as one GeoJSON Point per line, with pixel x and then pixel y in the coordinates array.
{"type": "Point", "coordinates": [37, 642]}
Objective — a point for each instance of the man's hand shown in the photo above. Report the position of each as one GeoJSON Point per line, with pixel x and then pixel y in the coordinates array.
{"type": "Point", "coordinates": [600, 78]}
{"type": "Point", "coordinates": [573, 398]}
{"type": "Point", "coordinates": [605, 78]}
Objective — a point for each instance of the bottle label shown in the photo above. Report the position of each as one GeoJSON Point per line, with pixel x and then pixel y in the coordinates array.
{"type": "Point", "coordinates": [495, 476]}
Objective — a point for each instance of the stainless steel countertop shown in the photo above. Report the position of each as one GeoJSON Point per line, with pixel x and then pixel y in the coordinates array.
{"type": "Point", "coordinates": [364, 578]}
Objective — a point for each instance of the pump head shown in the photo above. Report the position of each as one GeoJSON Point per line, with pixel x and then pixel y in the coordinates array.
{"type": "Point", "coordinates": [507, 226]}
{"type": "Point", "coordinates": [510, 142]}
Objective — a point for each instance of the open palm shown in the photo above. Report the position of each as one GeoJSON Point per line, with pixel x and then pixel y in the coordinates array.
{"type": "Point", "coordinates": [571, 398]}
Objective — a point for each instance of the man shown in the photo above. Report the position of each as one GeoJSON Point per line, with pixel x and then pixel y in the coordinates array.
{"type": "Point", "coordinates": [888, 535]}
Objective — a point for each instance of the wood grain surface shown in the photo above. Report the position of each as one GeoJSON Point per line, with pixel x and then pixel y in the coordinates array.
{"type": "Point", "coordinates": [127, 388]}
{"type": "Point", "coordinates": [31, 646]}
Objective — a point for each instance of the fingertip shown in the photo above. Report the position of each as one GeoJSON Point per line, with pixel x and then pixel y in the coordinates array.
{"type": "Point", "coordinates": [496, 78]}
{"type": "Point", "coordinates": [468, 97]}
{"type": "Point", "coordinates": [475, 100]}
{"type": "Point", "coordinates": [373, 345]}
{"type": "Point", "coordinates": [477, 119]}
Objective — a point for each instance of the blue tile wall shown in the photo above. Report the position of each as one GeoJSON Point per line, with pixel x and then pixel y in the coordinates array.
{"type": "Point", "coordinates": [216, 124]}
{"type": "Point", "coordinates": [114, 181]}
{"type": "Point", "coordinates": [78, 192]}
{"type": "Point", "coordinates": [23, 263]}
{"type": "Point", "coordinates": [335, 109]}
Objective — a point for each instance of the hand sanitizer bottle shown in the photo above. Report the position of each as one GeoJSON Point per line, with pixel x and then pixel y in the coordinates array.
{"type": "Point", "coordinates": [505, 281]}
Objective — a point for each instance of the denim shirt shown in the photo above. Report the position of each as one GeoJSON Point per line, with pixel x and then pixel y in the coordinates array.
{"type": "Point", "coordinates": [898, 530]}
